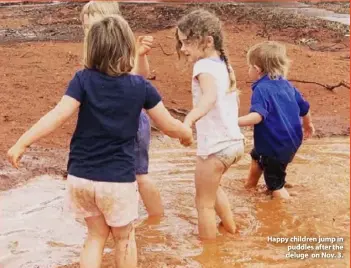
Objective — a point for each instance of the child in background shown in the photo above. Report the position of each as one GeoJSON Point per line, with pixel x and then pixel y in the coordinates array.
{"type": "Point", "coordinates": [276, 108]}
{"type": "Point", "coordinates": [101, 184]}
{"type": "Point", "coordinates": [220, 142]}
{"type": "Point", "coordinates": [92, 12]}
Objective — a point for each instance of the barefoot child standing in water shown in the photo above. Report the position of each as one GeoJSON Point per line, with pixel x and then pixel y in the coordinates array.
{"type": "Point", "coordinates": [276, 108]}
{"type": "Point", "coordinates": [92, 12]}
{"type": "Point", "coordinates": [215, 113]}
{"type": "Point", "coordinates": [101, 184]}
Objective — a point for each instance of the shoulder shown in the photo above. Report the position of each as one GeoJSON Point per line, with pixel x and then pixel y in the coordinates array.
{"type": "Point", "coordinates": [84, 72]}
{"type": "Point", "coordinates": [262, 88]}
{"type": "Point", "coordinates": [205, 66]}
{"type": "Point", "coordinates": [138, 81]}
{"type": "Point", "coordinates": [205, 62]}
{"type": "Point", "coordinates": [269, 86]}
{"type": "Point", "coordinates": [78, 77]}
{"type": "Point", "coordinates": [84, 75]}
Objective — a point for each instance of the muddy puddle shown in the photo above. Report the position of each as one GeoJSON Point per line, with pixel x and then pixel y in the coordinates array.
{"type": "Point", "coordinates": [35, 232]}
{"type": "Point", "coordinates": [307, 9]}
{"type": "Point", "coordinates": [319, 13]}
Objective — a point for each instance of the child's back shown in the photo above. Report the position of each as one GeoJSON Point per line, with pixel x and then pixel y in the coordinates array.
{"type": "Point", "coordinates": [102, 146]}
{"type": "Point", "coordinates": [280, 133]}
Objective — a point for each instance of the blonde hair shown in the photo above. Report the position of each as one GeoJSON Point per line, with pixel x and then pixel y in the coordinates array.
{"type": "Point", "coordinates": [101, 7]}
{"type": "Point", "coordinates": [201, 23]}
{"type": "Point", "coordinates": [96, 10]}
{"type": "Point", "coordinates": [270, 57]}
{"type": "Point", "coordinates": [110, 46]}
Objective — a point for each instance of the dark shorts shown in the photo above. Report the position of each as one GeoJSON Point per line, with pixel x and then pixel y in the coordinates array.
{"type": "Point", "coordinates": [274, 172]}
{"type": "Point", "coordinates": [142, 143]}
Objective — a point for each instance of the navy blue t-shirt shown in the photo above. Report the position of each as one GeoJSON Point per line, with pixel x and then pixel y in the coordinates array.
{"type": "Point", "coordinates": [279, 134]}
{"type": "Point", "coordinates": [102, 146]}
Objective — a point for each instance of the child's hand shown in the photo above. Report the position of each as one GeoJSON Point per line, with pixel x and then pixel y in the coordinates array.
{"type": "Point", "coordinates": [308, 130]}
{"type": "Point", "coordinates": [188, 122]}
{"type": "Point", "coordinates": [188, 140]}
{"type": "Point", "coordinates": [14, 155]}
{"type": "Point", "coordinates": [144, 44]}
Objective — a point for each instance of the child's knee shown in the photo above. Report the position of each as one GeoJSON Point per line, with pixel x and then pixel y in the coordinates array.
{"type": "Point", "coordinates": [122, 233]}
{"type": "Point", "coordinates": [204, 203]}
{"type": "Point", "coordinates": [97, 228]}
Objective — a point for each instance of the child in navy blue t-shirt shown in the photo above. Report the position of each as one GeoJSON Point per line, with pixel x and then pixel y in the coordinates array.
{"type": "Point", "coordinates": [101, 180]}
{"type": "Point", "coordinates": [149, 193]}
{"type": "Point", "coordinates": [276, 111]}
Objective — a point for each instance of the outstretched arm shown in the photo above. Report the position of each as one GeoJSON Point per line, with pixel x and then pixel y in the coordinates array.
{"type": "Point", "coordinates": [47, 124]}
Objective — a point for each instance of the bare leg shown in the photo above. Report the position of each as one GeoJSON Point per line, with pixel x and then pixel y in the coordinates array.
{"type": "Point", "coordinates": [254, 175]}
{"type": "Point", "coordinates": [98, 232]}
{"type": "Point", "coordinates": [207, 178]}
{"type": "Point", "coordinates": [125, 246]}
{"type": "Point", "coordinates": [150, 196]}
{"type": "Point", "coordinates": [224, 211]}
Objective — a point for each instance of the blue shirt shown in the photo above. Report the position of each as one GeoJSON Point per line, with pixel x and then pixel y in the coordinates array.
{"type": "Point", "coordinates": [279, 134]}
{"type": "Point", "coordinates": [102, 146]}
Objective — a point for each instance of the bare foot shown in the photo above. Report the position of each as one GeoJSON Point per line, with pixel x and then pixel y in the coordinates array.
{"type": "Point", "coordinates": [230, 233]}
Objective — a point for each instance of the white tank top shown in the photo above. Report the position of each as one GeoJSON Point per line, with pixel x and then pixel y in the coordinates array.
{"type": "Point", "coordinates": [219, 128]}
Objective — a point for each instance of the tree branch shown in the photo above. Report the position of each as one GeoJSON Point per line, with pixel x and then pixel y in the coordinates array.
{"type": "Point", "coordinates": [326, 86]}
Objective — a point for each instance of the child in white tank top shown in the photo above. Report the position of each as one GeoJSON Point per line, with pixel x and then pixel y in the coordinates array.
{"type": "Point", "coordinates": [215, 114]}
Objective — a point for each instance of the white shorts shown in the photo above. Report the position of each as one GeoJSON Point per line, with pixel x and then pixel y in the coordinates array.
{"type": "Point", "coordinates": [117, 202]}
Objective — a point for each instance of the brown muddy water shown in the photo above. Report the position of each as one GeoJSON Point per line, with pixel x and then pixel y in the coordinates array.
{"type": "Point", "coordinates": [34, 231]}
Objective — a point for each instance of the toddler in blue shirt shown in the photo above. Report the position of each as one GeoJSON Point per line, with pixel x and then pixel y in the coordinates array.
{"type": "Point", "coordinates": [276, 111]}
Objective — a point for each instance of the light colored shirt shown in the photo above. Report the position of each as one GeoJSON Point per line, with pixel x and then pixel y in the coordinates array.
{"type": "Point", "coordinates": [219, 128]}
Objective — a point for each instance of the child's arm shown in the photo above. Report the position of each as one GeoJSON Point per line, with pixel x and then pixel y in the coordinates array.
{"type": "Point", "coordinates": [250, 119]}
{"type": "Point", "coordinates": [47, 124]}
{"type": "Point", "coordinates": [305, 114]}
{"type": "Point", "coordinates": [308, 127]}
{"type": "Point", "coordinates": [162, 118]}
{"type": "Point", "coordinates": [207, 100]}
{"type": "Point", "coordinates": [258, 111]}
{"type": "Point", "coordinates": [169, 125]}
{"type": "Point", "coordinates": [141, 63]}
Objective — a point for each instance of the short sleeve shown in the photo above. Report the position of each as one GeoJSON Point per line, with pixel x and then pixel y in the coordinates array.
{"type": "Point", "coordinates": [75, 89]}
{"type": "Point", "coordinates": [303, 104]}
{"type": "Point", "coordinates": [203, 66]}
{"type": "Point", "coordinates": [259, 103]}
{"type": "Point", "coordinates": [152, 97]}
